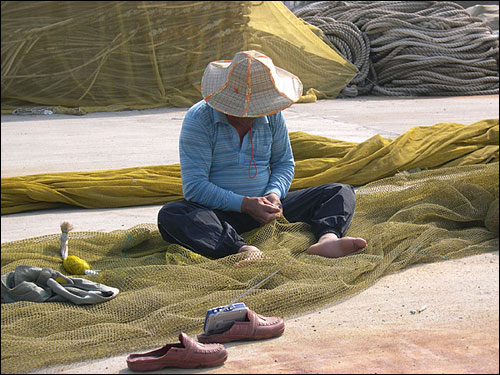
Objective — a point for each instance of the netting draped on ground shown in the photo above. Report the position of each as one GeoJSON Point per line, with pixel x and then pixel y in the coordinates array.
{"type": "Point", "coordinates": [318, 160]}
{"type": "Point", "coordinates": [410, 48]}
{"type": "Point", "coordinates": [87, 56]}
{"type": "Point", "coordinates": [406, 219]}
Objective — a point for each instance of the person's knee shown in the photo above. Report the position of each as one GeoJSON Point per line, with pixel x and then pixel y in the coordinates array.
{"type": "Point", "coordinates": [343, 190]}
{"type": "Point", "coordinates": [168, 219]}
{"type": "Point", "coordinates": [348, 190]}
{"type": "Point", "coordinates": [170, 210]}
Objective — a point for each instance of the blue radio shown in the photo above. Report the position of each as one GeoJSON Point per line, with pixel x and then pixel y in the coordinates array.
{"type": "Point", "coordinates": [220, 319]}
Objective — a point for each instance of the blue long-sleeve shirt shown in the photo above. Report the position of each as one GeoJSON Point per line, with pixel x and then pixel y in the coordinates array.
{"type": "Point", "coordinates": [217, 171]}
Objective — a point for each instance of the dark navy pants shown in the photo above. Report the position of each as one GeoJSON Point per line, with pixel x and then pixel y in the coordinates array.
{"type": "Point", "coordinates": [327, 208]}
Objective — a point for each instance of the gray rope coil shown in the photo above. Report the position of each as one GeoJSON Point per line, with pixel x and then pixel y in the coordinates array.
{"type": "Point", "coordinates": [409, 48]}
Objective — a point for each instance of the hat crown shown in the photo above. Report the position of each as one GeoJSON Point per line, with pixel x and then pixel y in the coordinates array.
{"type": "Point", "coordinates": [249, 85]}
{"type": "Point", "coordinates": [251, 71]}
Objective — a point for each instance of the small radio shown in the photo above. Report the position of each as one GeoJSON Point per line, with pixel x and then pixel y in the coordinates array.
{"type": "Point", "coordinates": [220, 319]}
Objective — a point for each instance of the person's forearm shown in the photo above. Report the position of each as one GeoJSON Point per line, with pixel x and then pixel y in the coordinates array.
{"type": "Point", "coordinates": [212, 196]}
{"type": "Point", "coordinates": [280, 180]}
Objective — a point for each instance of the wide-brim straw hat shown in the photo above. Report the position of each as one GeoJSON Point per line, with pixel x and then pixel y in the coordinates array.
{"type": "Point", "coordinates": [249, 86]}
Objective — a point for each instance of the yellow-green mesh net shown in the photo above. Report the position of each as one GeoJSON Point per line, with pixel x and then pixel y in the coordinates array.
{"type": "Point", "coordinates": [318, 160]}
{"type": "Point", "coordinates": [410, 218]}
{"type": "Point", "coordinates": [86, 56]}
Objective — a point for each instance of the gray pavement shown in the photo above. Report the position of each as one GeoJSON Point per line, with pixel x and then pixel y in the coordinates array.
{"type": "Point", "coordinates": [99, 141]}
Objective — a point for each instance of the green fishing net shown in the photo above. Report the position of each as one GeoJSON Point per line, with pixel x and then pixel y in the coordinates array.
{"type": "Point", "coordinates": [86, 56]}
{"type": "Point", "coordinates": [410, 218]}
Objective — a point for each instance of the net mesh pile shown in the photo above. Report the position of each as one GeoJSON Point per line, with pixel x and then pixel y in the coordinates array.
{"type": "Point", "coordinates": [409, 218]}
{"type": "Point", "coordinates": [86, 56]}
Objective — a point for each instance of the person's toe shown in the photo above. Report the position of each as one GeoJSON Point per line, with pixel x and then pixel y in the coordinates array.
{"type": "Point", "coordinates": [359, 243]}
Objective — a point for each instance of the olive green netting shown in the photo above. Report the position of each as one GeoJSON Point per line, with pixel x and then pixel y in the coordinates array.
{"type": "Point", "coordinates": [410, 218]}
{"type": "Point", "coordinates": [86, 56]}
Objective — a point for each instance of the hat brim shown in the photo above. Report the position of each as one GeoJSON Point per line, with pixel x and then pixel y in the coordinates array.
{"type": "Point", "coordinates": [285, 90]}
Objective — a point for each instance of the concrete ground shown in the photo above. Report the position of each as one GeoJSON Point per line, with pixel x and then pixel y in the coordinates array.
{"type": "Point", "coordinates": [370, 332]}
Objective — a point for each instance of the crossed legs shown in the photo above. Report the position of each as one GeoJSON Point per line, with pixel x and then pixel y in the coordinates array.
{"type": "Point", "coordinates": [327, 208]}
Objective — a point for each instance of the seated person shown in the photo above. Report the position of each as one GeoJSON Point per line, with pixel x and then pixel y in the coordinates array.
{"type": "Point", "coordinates": [237, 166]}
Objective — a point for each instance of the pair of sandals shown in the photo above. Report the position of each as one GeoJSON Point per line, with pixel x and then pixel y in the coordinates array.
{"type": "Point", "coordinates": [208, 351]}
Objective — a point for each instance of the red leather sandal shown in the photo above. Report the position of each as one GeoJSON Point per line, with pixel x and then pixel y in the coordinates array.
{"type": "Point", "coordinates": [257, 327]}
{"type": "Point", "coordinates": [187, 353]}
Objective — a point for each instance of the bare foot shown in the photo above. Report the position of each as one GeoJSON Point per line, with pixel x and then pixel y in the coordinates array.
{"type": "Point", "coordinates": [330, 246]}
{"type": "Point", "coordinates": [253, 254]}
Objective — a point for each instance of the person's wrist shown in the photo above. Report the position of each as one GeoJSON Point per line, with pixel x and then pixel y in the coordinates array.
{"type": "Point", "coordinates": [244, 204]}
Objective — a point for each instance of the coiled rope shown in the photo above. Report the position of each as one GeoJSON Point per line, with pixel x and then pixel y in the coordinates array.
{"type": "Point", "coordinates": [409, 48]}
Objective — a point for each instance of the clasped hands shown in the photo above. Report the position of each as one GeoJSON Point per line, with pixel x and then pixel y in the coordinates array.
{"type": "Point", "coordinates": [263, 209]}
